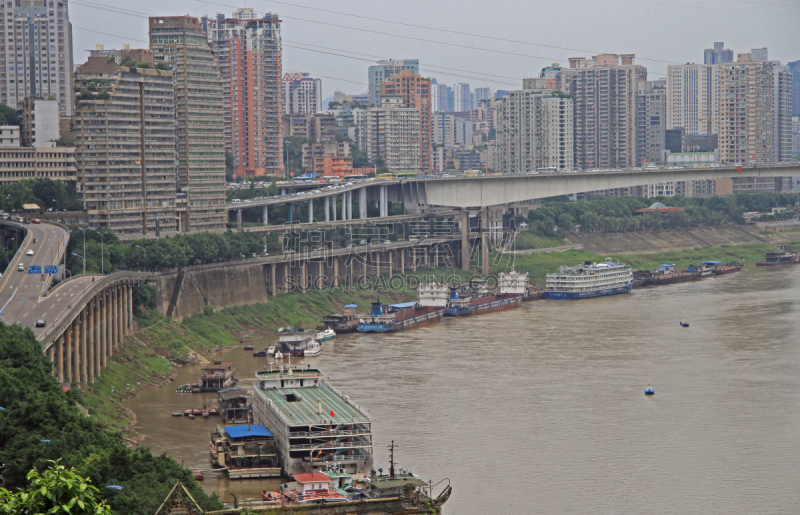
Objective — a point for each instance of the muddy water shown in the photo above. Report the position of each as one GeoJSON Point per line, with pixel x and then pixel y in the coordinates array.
{"type": "Point", "coordinates": [541, 409]}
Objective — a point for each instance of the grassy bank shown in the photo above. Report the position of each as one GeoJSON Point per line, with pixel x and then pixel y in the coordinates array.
{"type": "Point", "coordinates": [148, 357]}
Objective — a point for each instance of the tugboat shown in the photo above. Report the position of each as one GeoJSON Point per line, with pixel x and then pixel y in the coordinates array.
{"type": "Point", "coordinates": [314, 349]}
{"type": "Point", "coordinates": [327, 334]}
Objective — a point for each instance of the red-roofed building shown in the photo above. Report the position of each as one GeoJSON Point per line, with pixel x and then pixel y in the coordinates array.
{"type": "Point", "coordinates": [658, 206]}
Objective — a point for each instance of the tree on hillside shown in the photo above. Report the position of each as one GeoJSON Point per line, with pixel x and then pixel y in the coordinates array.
{"type": "Point", "coordinates": [230, 163]}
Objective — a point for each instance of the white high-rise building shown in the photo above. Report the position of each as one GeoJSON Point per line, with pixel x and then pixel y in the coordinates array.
{"type": "Point", "coordinates": [392, 133]}
{"type": "Point", "coordinates": [534, 131]}
{"type": "Point", "coordinates": [302, 94]}
{"type": "Point", "coordinates": [451, 130]}
{"type": "Point", "coordinates": [692, 98]}
{"type": "Point", "coordinates": [36, 53]}
{"type": "Point", "coordinates": [783, 82]}
{"type": "Point", "coordinates": [463, 97]}
{"type": "Point", "coordinates": [439, 96]}
{"type": "Point", "coordinates": [759, 54]}
{"type": "Point", "coordinates": [796, 135]}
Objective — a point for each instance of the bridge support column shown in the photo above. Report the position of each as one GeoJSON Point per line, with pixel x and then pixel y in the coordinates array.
{"type": "Point", "coordinates": [291, 206]}
{"type": "Point", "coordinates": [321, 275]}
{"type": "Point", "coordinates": [362, 202]}
{"type": "Point", "coordinates": [303, 277]}
{"type": "Point", "coordinates": [130, 307]}
{"type": "Point", "coordinates": [118, 317]}
{"type": "Point", "coordinates": [59, 344]}
{"type": "Point", "coordinates": [239, 219]}
{"type": "Point", "coordinates": [272, 279]}
{"type": "Point", "coordinates": [425, 256]}
{"type": "Point", "coordinates": [344, 206]}
{"type": "Point", "coordinates": [384, 211]}
{"type": "Point", "coordinates": [112, 319]}
{"type": "Point", "coordinates": [311, 211]}
{"type": "Point", "coordinates": [98, 347]}
{"type": "Point", "coordinates": [83, 332]}
{"type": "Point", "coordinates": [74, 355]}
{"type": "Point", "coordinates": [104, 329]}
{"type": "Point", "coordinates": [335, 281]}
{"type": "Point", "coordinates": [464, 239]}
{"type": "Point", "coordinates": [327, 209]}
{"type": "Point", "coordinates": [265, 215]}
{"type": "Point", "coordinates": [377, 264]}
{"type": "Point", "coordinates": [333, 207]}
{"type": "Point", "coordinates": [412, 253]}
{"type": "Point", "coordinates": [436, 256]}
{"type": "Point", "coordinates": [391, 264]}
{"type": "Point", "coordinates": [402, 261]}
{"type": "Point", "coordinates": [484, 242]}
{"type": "Point", "coordinates": [349, 205]}
{"type": "Point", "coordinates": [68, 354]}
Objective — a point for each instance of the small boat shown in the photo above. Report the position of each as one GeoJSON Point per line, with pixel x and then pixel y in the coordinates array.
{"type": "Point", "coordinates": [249, 347]}
{"type": "Point", "coordinates": [684, 323]}
{"type": "Point", "coordinates": [327, 334]}
{"type": "Point", "coordinates": [314, 349]}
{"type": "Point", "coordinates": [177, 414]}
{"type": "Point", "coordinates": [278, 355]}
{"type": "Point", "coordinates": [198, 475]}
{"type": "Point", "coordinates": [649, 390]}
{"type": "Point", "coordinates": [271, 350]}
{"type": "Point", "coordinates": [261, 353]}
{"type": "Point", "coordinates": [191, 417]}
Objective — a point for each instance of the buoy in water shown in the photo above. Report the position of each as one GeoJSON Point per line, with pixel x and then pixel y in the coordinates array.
{"type": "Point", "coordinates": [649, 390]}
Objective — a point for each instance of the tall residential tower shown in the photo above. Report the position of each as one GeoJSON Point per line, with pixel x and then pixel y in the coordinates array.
{"type": "Point", "coordinates": [36, 52]}
{"type": "Point", "coordinates": [180, 43]}
{"type": "Point", "coordinates": [247, 48]}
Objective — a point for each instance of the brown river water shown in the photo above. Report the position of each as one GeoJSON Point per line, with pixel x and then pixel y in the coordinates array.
{"type": "Point", "coordinates": [542, 409]}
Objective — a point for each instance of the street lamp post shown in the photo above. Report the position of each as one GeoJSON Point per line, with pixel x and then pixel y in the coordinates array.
{"type": "Point", "coordinates": [58, 208]}
{"type": "Point", "coordinates": [102, 252]}
{"type": "Point", "coordinates": [82, 259]}
{"type": "Point", "coordinates": [145, 253]}
{"type": "Point", "coordinates": [84, 250]}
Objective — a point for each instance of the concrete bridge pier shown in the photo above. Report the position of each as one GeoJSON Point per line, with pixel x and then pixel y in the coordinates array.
{"type": "Point", "coordinates": [327, 209]}
{"type": "Point", "coordinates": [265, 215]}
{"type": "Point", "coordinates": [333, 207]}
{"type": "Point", "coordinates": [98, 349]}
{"type": "Point", "coordinates": [273, 285]}
{"type": "Point", "coordinates": [335, 277]}
{"type": "Point", "coordinates": [239, 219]}
{"type": "Point", "coordinates": [82, 332]}
{"type": "Point", "coordinates": [464, 239]}
{"type": "Point", "coordinates": [484, 242]}
{"type": "Point", "coordinates": [311, 211]}
{"type": "Point", "coordinates": [344, 206]}
{"type": "Point", "coordinates": [59, 357]}
{"type": "Point", "coordinates": [349, 205]}
{"type": "Point", "coordinates": [291, 205]}
{"type": "Point", "coordinates": [362, 203]}
{"type": "Point", "coordinates": [383, 208]}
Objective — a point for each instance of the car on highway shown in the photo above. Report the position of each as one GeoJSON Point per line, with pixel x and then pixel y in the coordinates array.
{"type": "Point", "coordinates": [21, 268]}
{"type": "Point", "coordinates": [40, 322]}
{"type": "Point", "coordinates": [36, 221]}
{"type": "Point", "coordinates": [29, 253]}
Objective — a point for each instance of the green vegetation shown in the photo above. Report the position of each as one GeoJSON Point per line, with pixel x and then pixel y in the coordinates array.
{"type": "Point", "coordinates": [8, 115]}
{"type": "Point", "coordinates": [525, 240]}
{"type": "Point", "coordinates": [230, 167]}
{"type": "Point", "coordinates": [41, 423]}
{"type": "Point", "coordinates": [56, 491]}
{"type": "Point", "coordinates": [559, 216]}
{"type": "Point", "coordinates": [46, 193]}
{"type": "Point", "coordinates": [293, 154]}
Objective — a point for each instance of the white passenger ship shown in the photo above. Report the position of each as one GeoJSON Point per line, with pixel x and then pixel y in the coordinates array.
{"type": "Point", "coordinates": [589, 280]}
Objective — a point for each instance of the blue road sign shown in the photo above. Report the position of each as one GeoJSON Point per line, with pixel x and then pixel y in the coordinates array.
{"type": "Point", "coordinates": [51, 269]}
{"type": "Point", "coordinates": [34, 269]}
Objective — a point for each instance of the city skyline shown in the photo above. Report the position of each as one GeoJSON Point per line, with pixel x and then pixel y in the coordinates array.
{"type": "Point", "coordinates": [623, 26]}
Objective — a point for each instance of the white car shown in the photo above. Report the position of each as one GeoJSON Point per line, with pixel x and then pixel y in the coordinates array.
{"type": "Point", "coordinates": [29, 253]}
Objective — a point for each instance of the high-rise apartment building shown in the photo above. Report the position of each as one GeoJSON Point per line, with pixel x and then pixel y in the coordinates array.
{"type": "Point", "coordinates": [759, 54]}
{"type": "Point", "coordinates": [604, 93]}
{"type": "Point", "coordinates": [782, 85]}
{"type": "Point", "coordinates": [481, 95]}
{"type": "Point", "coordinates": [451, 130]}
{"type": "Point", "coordinates": [796, 135]}
{"type": "Point", "coordinates": [651, 122]}
{"type": "Point", "coordinates": [746, 111]}
{"type": "Point", "coordinates": [138, 55]}
{"type": "Point", "coordinates": [794, 67]}
{"type": "Point", "coordinates": [180, 43]}
{"type": "Point", "coordinates": [385, 70]}
{"type": "Point", "coordinates": [462, 97]}
{"type": "Point", "coordinates": [302, 94]}
{"type": "Point", "coordinates": [534, 130]}
{"type": "Point", "coordinates": [391, 133]}
{"type": "Point", "coordinates": [247, 48]}
{"type": "Point", "coordinates": [415, 92]}
{"type": "Point", "coordinates": [36, 53]}
{"type": "Point", "coordinates": [692, 98]}
{"type": "Point", "coordinates": [440, 94]}
{"type": "Point", "coordinates": [125, 138]}
{"type": "Point", "coordinates": [718, 54]}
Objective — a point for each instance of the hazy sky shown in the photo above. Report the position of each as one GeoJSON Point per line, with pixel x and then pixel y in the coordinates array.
{"type": "Point", "coordinates": [500, 42]}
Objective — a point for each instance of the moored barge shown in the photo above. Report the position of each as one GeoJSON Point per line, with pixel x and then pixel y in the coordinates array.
{"type": "Point", "coordinates": [428, 309]}
{"type": "Point", "coordinates": [778, 258]}
{"type": "Point", "coordinates": [511, 289]}
{"type": "Point", "coordinates": [344, 322]}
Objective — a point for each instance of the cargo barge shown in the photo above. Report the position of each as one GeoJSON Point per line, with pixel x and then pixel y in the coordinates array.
{"type": "Point", "coordinates": [345, 322]}
{"type": "Point", "coordinates": [778, 258]}
{"type": "Point", "coordinates": [589, 280]}
{"type": "Point", "coordinates": [666, 274]}
{"type": "Point", "coordinates": [399, 317]}
{"type": "Point", "coordinates": [511, 289]}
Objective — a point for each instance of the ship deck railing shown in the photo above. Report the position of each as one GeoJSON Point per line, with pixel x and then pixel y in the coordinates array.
{"type": "Point", "coordinates": [330, 445]}
{"type": "Point", "coordinates": [318, 434]}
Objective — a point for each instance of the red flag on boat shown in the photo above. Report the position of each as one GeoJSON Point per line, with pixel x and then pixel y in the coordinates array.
{"type": "Point", "coordinates": [332, 414]}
